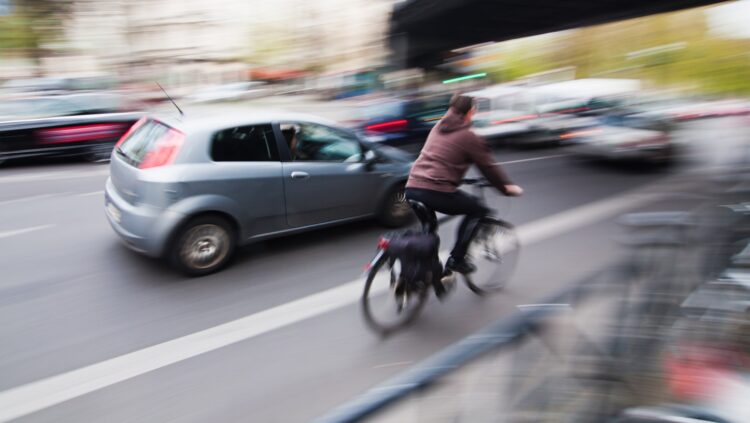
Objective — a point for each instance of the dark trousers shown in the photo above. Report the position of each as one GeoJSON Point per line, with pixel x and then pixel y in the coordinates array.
{"type": "Point", "coordinates": [454, 203]}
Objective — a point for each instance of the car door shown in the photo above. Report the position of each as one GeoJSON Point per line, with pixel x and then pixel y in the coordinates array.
{"type": "Point", "coordinates": [247, 170]}
{"type": "Point", "coordinates": [325, 176]}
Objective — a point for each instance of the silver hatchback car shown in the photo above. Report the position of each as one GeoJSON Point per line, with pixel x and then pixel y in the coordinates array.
{"type": "Point", "coordinates": [191, 189]}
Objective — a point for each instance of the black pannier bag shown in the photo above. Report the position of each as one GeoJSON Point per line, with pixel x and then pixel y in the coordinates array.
{"type": "Point", "coordinates": [416, 252]}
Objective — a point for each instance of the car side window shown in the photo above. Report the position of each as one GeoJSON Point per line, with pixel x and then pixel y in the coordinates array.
{"type": "Point", "coordinates": [255, 143]}
{"type": "Point", "coordinates": [317, 143]}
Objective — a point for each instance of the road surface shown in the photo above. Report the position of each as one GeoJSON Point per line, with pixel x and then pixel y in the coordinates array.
{"type": "Point", "coordinates": [94, 332]}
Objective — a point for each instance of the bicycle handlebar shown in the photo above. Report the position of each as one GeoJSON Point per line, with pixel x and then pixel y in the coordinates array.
{"type": "Point", "coordinates": [480, 182]}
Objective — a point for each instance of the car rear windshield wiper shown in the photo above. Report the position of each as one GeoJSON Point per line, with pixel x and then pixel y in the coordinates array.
{"type": "Point", "coordinates": [125, 156]}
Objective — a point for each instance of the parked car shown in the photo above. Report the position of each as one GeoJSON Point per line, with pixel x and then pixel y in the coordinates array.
{"type": "Point", "coordinates": [70, 125]}
{"type": "Point", "coordinates": [190, 189]}
{"type": "Point", "coordinates": [230, 92]}
{"type": "Point", "coordinates": [619, 137]}
{"type": "Point", "coordinates": [399, 122]}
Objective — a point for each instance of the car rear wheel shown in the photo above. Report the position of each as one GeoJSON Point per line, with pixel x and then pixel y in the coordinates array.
{"type": "Point", "coordinates": [203, 246]}
{"type": "Point", "coordinates": [395, 210]}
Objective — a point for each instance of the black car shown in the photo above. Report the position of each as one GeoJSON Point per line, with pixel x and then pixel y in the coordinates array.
{"type": "Point", "coordinates": [401, 122]}
{"type": "Point", "coordinates": [77, 125]}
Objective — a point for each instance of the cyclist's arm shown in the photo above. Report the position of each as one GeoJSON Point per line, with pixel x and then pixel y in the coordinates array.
{"type": "Point", "coordinates": [481, 155]}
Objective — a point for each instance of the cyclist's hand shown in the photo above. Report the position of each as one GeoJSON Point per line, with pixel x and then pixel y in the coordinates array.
{"type": "Point", "coordinates": [513, 190]}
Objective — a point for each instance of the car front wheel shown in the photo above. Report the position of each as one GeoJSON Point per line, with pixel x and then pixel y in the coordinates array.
{"type": "Point", "coordinates": [203, 246]}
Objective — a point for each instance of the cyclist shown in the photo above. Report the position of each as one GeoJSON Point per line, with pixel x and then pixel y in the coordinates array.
{"type": "Point", "coordinates": [450, 149]}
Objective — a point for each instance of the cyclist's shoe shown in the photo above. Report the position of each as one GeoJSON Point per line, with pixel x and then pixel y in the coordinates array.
{"type": "Point", "coordinates": [448, 282]}
{"type": "Point", "coordinates": [460, 266]}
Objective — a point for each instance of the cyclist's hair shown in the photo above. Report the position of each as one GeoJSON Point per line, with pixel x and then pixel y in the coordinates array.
{"type": "Point", "coordinates": [461, 104]}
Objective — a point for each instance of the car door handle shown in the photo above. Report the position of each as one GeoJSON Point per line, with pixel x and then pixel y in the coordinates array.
{"type": "Point", "coordinates": [300, 175]}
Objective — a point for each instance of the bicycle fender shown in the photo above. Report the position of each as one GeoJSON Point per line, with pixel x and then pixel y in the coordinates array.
{"type": "Point", "coordinates": [379, 258]}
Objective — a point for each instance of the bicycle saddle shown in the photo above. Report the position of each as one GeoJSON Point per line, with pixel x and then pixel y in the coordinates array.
{"type": "Point", "coordinates": [426, 215]}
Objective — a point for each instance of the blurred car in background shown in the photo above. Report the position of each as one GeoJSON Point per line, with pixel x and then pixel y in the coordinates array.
{"type": "Point", "coordinates": [237, 91]}
{"type": "Point", "coordinates": [398, 122]}
{"type": "Point", "coordinates": [584, 97]}
{"type": "Point", "coordinates": [508, 114]}
{"type": "Point", "coordinates": [35, 85]}
{"type": "Point", "coordinates": [505, 112]}
{"type": "Point", "coordinates": [623, 137]}
{"type": "Point", "coordinates": [191, 188]}
{"type": "Point", "coordinates": [678, 109]}
{"type": "Point", "coordinates": [84, 125]}
{"type": "Point", "coordinates": [725, 108]}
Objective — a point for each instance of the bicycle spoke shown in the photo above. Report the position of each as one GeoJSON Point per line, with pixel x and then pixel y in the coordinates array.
{"type": "Point", "coordinates": [495, 252]}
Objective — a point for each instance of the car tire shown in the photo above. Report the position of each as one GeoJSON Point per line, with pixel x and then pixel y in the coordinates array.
{"type": "Point", "coordinates": [99, 153]}
{"type": "Point", "coordinates": [395, 210]}
{"type": "Point", "coordinates": [203, 246]}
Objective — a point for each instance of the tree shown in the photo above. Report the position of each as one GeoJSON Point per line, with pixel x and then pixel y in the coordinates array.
{"type": "Point", "coordinates": [33, 25]}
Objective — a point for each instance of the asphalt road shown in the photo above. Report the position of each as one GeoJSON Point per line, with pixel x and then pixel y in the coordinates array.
{"type": "Point", "coordinates": [93, 332]}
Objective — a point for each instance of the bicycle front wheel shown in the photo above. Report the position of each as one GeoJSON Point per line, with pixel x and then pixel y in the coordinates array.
{"type": "Point", "coordinates": [494, 250]}
{"type": "Point", "coordinates": [388, 304]}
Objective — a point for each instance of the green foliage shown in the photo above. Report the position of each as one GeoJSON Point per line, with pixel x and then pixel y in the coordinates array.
{"type": "Point", "coordinates": [700, 60]}
{"type": "Point", "coordinates": [33, 24]}
{"type": "Point", "coordinates": [16, 34]}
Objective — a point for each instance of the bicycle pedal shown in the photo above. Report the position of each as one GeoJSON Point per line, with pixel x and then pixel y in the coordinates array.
{"type": "Point", "coordinates": [449, 281]}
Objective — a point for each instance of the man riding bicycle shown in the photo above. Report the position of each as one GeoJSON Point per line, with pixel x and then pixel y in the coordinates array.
{"type": "Point", "coordinates": [450, 149]}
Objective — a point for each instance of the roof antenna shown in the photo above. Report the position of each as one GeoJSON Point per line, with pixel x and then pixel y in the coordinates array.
{"type": "Point", "coordinates": [170, 99]}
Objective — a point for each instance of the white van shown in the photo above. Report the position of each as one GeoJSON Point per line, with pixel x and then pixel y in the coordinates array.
{"type": "Point", "coordinates": [583, 96]}
{"type": "Point", "coordinates": [503, 111]}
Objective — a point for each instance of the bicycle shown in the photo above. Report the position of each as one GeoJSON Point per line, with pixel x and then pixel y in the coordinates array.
{"type": "Point", "coordinates": [494, 247]}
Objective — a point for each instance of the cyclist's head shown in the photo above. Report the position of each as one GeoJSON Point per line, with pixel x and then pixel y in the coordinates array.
{"type": "Point", "coordinates": [462, 105]}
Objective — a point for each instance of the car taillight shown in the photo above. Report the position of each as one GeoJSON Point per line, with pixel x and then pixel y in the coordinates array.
{"type": "Point", "coordinates": [165, 150]}
{"type": "Point", "coordinates": [135, 126]}
{"type": "Point", "coordinates": [390, 126]}
{"type": "Point", "coordinates": [383, 243]}
{"type": "Point", "coordinates": [579, 134]}
{"type": "Point", "coordinates": [79, 133]}
{"type": "Point", "coordinates": [513, 119]}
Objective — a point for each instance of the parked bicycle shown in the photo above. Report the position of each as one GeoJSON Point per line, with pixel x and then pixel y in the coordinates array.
{"type": "Point", "coordinates": [408, 265]}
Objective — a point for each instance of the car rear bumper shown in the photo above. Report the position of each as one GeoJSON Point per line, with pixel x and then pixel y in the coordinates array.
{"type": "Point", "coordinates": [610, 152]}
{"type": "Point", "coordinates": [59, 151]}
{"type": "Point", "coordinates": [502, 131]}
{"type": "Point", "coordinates": [143, 229]}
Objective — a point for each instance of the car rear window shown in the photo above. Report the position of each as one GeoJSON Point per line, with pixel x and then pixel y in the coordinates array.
{"type": "Point", "coordinates": [254, 143]}
{"type": "Point", "coordinates": [141, 141]}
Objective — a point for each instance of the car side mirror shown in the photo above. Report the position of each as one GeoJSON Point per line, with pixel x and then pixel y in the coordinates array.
{"type": "Point", "coordinates": [370, 159]}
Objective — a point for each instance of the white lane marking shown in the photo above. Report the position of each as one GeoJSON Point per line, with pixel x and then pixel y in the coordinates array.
{"type": "Point", "coordinates": [23, 231]}
{"type": "Point", "coordinates": [35, 396]}
{"type": "Point", "coordinates": [32, 198]}
{"type": "Point", "coordinates": [88, 194]}
{"type": "Point", "coordinates": [553, 156]}
{"type": "Point", "coordinates": [52, 176]}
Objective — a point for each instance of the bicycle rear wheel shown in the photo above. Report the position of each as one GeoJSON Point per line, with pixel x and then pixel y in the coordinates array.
{"type": "Point", "coordinates": [494, 250]}
{"type": "Point", "coordinates": [388, 304]}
